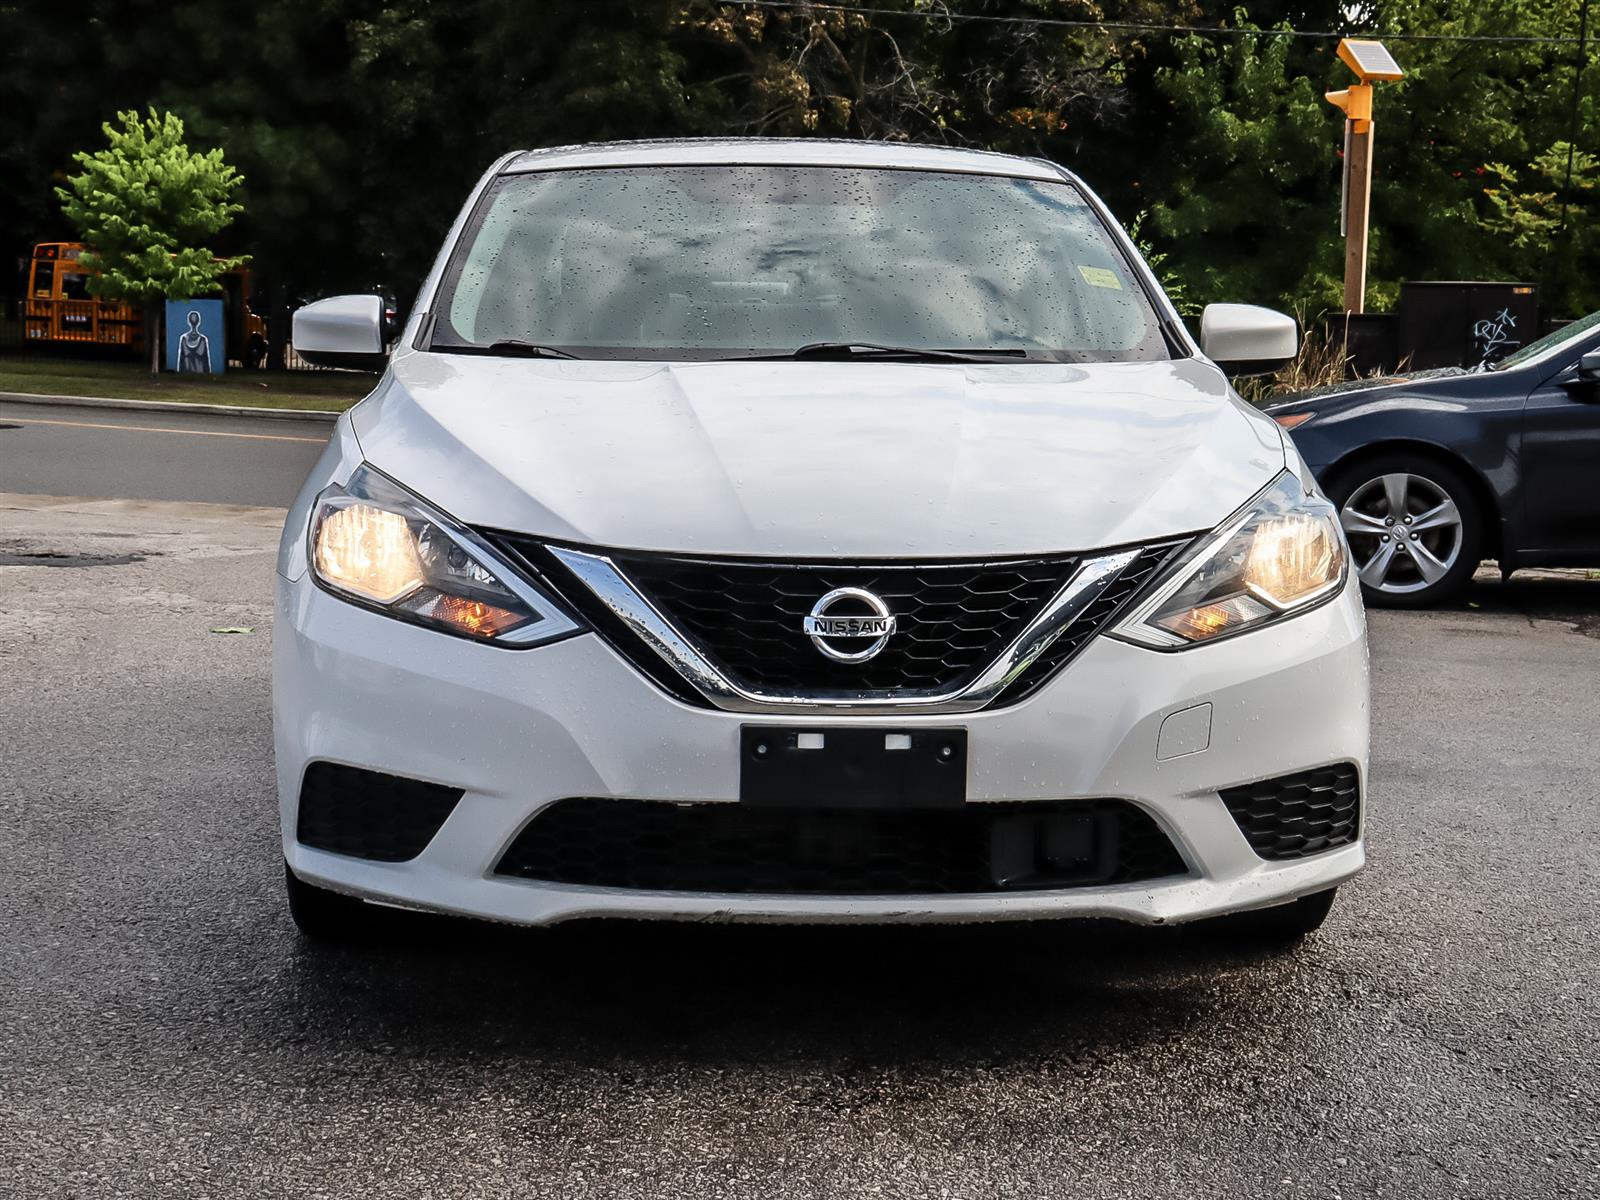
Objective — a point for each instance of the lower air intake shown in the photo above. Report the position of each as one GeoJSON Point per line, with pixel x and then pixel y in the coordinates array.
{"type": "Point", "coordinates": [649, 845]}
{"type": "Point", "coordinates": [1295, 816]}
{"type": "Point", "coordinates": [364, 814]}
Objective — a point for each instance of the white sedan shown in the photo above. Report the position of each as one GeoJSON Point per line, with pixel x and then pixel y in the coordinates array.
{"type": "Point", "coordinates": [810, 531]}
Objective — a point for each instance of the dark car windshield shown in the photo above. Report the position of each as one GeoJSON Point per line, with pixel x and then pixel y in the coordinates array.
{"type": "Point", "coordinates": [731, 261]}
{"type": "Point", "coordinates": [1549, 342]}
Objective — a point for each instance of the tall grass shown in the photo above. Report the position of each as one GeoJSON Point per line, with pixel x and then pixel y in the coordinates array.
{"type": "Point", "coordinates": [1324, 360]}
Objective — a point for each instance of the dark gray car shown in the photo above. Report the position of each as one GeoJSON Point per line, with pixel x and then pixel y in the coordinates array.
{"type": "Point", "coordinates": [1437, 471]}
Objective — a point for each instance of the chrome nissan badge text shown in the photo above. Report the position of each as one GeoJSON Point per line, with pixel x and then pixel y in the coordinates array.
{"type": "Point", "coordinates": [877, 624]}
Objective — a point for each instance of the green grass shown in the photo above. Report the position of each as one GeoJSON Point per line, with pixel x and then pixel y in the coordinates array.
{"type": "Point", "coordinates": [50, 376]}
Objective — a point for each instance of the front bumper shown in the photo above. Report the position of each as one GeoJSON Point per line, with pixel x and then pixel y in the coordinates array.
{"type": "Point", "coordinates": [518, 730]}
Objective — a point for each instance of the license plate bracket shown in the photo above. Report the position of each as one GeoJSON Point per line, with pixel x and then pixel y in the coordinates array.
{"type": "Point", "coordinates": [840, 768]}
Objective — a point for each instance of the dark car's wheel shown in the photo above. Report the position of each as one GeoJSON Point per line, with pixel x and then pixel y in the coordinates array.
{"type": "Point", "coordinates": [326, 916]}
{"type": "Point", "coordinates": [1415, 528]}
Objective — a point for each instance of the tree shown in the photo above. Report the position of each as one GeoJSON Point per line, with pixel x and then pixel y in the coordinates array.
{"type": "Point", "coordinates": [1535, 219]}
{"type": "Point", "coordinates": [1250, 163]}
{"type": "Point", "coordinates": [145, 205]}
{"type": "Point", "coordinates": [362, 123]}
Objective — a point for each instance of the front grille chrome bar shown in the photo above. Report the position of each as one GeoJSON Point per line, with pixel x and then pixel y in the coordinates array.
{"type": "Point", "coordinates": [616, 591]}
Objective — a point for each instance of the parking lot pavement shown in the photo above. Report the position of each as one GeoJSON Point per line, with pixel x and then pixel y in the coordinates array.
{"type": "Point", "coordinates": [164, 1033]}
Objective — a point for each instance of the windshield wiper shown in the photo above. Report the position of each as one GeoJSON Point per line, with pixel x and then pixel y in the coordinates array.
{"type": "Point", "coordinates": [510, 347]}
{"type": "Point", "coordinates": [527, 349]}
{"type": "Point", "coordinates": [856, 350]}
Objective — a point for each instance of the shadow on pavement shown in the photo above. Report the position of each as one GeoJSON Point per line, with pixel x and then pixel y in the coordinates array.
{"type": "Point", "coordinates": [908, 994]}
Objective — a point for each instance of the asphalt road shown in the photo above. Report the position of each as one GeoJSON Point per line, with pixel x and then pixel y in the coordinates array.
{"type": "Point", "coordinates": [68, 451]}
{"type": "Point", "coordinates": [163, 1033]}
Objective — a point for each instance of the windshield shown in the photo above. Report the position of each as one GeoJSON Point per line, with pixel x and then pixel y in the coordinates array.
{"type": "Point", "coordinates": [1549, 342]}
{"type": "Point", "coordinates": [730, 261]}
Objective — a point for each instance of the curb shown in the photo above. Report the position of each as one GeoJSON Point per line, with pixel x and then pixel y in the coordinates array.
{"type": "Point", "coordinates": [226, 410]}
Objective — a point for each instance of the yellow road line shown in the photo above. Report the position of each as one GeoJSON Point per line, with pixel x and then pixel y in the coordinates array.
{"type": "Point", "coordinates": [258, 437]}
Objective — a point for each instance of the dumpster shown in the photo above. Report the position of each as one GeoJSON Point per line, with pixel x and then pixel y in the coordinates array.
{"type": "Point", "coordinates": [1462, 324]}
{"type": "Point", "coordinates": [1367, 340]}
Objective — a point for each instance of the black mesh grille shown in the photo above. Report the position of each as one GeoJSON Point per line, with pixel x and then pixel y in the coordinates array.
{"type": "Point", "coordinates": [368, 815]}
{"type": "Point", "coordinates": [952, 619]}
{"type": "Point", "coordinates": [1294, 816]}
{"type": "Point", "coordinates": [648, 845]}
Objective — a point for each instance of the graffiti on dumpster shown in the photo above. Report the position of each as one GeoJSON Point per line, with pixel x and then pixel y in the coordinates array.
{"type": "Point", "coordinates": [1493, 336]}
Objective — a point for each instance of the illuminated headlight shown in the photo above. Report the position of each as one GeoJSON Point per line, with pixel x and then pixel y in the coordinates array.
{"type": "Point", "coordinates": [375, 543]}
{"type": "Point", "coordinates": [1282, 554]}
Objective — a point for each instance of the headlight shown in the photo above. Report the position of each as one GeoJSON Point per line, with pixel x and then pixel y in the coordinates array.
{"type": "Point", "coordinates": [375, 543]}
{"type": "Point", "coordinates": [1280, 555]}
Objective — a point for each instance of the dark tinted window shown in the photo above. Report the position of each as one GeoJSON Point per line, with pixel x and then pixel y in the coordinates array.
{"type": "Point", "coordinates": [1571, 331]}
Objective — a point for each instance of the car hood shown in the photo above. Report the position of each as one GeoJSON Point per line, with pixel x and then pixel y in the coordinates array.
{"type": "Point", "coordinates": [1411, 380]}
{"type": "Point", "coordinates": [820, 459]}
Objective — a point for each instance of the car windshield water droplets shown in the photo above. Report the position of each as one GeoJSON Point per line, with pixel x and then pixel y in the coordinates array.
{"type": "Point", "coordinates": [735, 261]}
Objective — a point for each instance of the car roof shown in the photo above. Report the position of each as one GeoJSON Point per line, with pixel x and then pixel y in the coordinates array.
{"type": "Point", "coordinates": [828, 152]}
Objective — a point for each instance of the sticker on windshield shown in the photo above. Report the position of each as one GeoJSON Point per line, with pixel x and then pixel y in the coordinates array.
{"type": "Point", "coordinates": [1100, 277]}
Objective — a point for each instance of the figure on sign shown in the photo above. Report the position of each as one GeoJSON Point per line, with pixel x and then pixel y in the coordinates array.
{"type": "Point", "coordinates": [194, 348]}
{"type": "Point", "coordinates": [196, 337]}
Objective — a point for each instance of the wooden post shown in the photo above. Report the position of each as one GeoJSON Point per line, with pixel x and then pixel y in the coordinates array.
{"type": "Point", "coordinates": [152, 323]}
{"type": "Point", "coordinates": [1371, 61]}
{"type": "Point", "coordinates": [1358, 199]}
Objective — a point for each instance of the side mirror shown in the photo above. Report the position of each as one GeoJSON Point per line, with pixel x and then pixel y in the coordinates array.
{"type": "Point", "coordinates": [342, 331]}
{"type": "Point", "coordinates": [1243, 339]}
{"type": "Point", "coordinates": [1589, 369]}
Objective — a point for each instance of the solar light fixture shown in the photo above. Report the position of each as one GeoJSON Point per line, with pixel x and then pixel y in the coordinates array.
{"type": "Point", "coordinates": [1369, 59]}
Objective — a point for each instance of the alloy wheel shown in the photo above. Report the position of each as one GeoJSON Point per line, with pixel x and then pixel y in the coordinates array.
{"type": "Point", "coordinates": [1405, 532]}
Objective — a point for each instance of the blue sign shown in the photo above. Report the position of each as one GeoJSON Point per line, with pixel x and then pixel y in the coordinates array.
{"type": "Point", "coordinates": [196, 341]}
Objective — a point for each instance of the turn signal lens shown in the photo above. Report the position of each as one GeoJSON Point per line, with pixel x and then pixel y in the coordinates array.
{"type": "Point", "coordinates": [370, 552]}
{"type": "Point", "coordinates": [469, 616]}
{"type": "Point", "coordinates": [1198, 624]}
{"type": "Point", "coordinates": [1281, 554]}
{"type": "Point", "coordinates": [1290, 420]}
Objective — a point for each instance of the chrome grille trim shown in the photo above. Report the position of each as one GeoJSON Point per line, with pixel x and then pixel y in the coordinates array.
{"type": "Point", "coordinates": [612, 587]}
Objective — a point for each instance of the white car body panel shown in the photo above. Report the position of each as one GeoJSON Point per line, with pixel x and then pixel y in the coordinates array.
{"type": "Point", "coordinates": [818, 152]}
{"type": "Point", "coordinates": [822, 459]}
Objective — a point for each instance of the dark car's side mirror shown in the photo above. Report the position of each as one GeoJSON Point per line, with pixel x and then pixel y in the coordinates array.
{"type": "Point", "coordinates": [1582, 380]}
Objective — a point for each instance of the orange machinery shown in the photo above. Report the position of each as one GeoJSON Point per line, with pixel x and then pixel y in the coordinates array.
{"type": "Point", "coordinates": [58, 310]}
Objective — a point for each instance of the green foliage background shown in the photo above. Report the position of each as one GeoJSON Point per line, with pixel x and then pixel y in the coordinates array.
{"type": "Point", "coordinates": [149, 206]}
{"type": "Point", "coordinates": [359, 125]}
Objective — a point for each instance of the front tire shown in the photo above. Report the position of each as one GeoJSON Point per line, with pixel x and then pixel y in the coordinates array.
{"type": "Point", "coordinates": [1283, 925]}
{"type": "Point", "coordinates": [1415, 527]}
{"type": "Point", "coordinates": [325, 916]}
